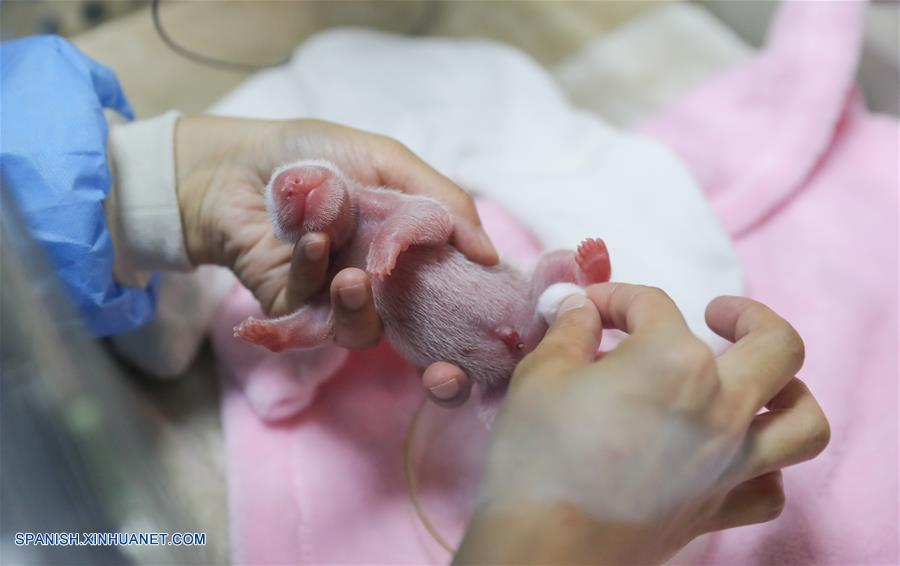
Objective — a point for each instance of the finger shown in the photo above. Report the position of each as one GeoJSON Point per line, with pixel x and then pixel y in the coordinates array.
{"type": "Point", "coordinates": [447, 385]}
{"type": "Point", "coordinates": [400, 168]}
{"type": "Point", "coordinates": [636, 308]}
{"type": "Point", "coordinates": [794, 430]}
{"type": "Point", "coordinates": [757, 500]}
{"type": "Point", "coordinates": [356, 324]}
{"type": "Point", "coordinates": [309, 265]}
{"type": "Point", "coordinates": [472, 240]}
{"type": "Point", "coordinates": [571, 341]}
{"type": "Point", "coordinates": [767, 353]}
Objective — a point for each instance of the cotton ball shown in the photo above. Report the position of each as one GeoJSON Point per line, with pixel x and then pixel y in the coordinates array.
{"type": "Point", "coordinates": [549, 301]}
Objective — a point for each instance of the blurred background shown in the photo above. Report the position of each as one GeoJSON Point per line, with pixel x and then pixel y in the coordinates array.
{"type": "Point", "coordinates": [63, 17]}
{"type": "Point", "coordinates": [121, 34]}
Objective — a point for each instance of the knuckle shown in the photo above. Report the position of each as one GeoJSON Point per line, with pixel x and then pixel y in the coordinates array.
{"type": "Point", "coordinates": [467, 203]}
{"type": "Point", "coordinates": [755, 313]}
{"type": "Point", "coordinates": [629, 298]}
{"type": "Point", "coordinates": [385, 151]}
{"type": "Point", "coordinates": [777, 502]}
{"type": "Point", "coordinates": [789, 341]}
{"type": "Point", "coordinates": [724, 417]}
{"type": "Point", "coordinates": [776, 333]}
{"type": "Point", "coordinates": [392, 147]}
{"type": "Point", "coordinates": [645, 293]}
{"type": "Point", "coordinates": [818, 434]}
{"type": "Point", "coordinates": [687, 367]}
{"type": "Point", "coordinates": [690, 357]}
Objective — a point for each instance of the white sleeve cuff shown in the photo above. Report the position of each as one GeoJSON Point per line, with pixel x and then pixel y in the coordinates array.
{"type": "Point", "coordinates": [142, 207]}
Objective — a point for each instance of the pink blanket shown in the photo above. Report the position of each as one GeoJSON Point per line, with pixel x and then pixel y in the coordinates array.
{"type": "Point", "coordinates": [327, 486]}
{"type": "Point", "coordinates": [806, 181]}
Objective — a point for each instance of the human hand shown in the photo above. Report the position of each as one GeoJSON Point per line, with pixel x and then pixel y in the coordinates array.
{"type": "Point", "coordinates": [222, 166]}
{"type": "Point", "coordinates": [627, 459]}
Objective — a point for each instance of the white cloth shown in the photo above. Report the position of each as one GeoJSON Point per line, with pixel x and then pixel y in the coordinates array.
{"type": "Point", "coordinates": [144, 219]}
{"type": "Point", "coordinates": [495, 122]}
{"type": "Point", "coordinates": [142, 207]}
{"type": "Point", "coordinates": [186, 304]}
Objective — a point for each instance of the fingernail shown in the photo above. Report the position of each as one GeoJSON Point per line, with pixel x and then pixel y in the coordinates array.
{"type": "Point", "coordinates": [353, 297]}
{"type": "Point", "coordinates": [314, 250]}
{"type": "Point", "coordinates": [574, 301]}
{"type": "Point", "coordinates": [446, 391]}
{"type": "Point", "coordinates": [486, 241]}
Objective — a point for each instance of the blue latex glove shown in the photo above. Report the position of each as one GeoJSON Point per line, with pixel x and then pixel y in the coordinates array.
{"type": "Point", "coordinates": [53, 138]}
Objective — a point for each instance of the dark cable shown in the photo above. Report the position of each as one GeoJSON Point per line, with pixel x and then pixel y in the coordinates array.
{"type": "Point", "coordinates": [200, 58]}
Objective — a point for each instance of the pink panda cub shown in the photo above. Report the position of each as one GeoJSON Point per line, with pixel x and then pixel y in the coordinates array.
{"type": "Point", "coordinates": [435, 304]}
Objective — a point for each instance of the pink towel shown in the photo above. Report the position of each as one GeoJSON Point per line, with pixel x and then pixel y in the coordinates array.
{"type": "Point", "coordinates": [806, 180]}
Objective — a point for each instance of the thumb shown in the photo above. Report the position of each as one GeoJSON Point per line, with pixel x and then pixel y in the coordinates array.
{"type": "Point", "coordinates": [571, 341]}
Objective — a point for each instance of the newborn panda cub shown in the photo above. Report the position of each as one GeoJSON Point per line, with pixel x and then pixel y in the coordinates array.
{"type": "Point", "coordinates": [435, 304]}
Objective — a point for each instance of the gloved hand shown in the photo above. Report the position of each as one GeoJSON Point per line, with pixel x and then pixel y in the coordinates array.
{"type": "Point", "coordinates": [222, 165]}
{"type": "Point", "coordinates": [626, 459]}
